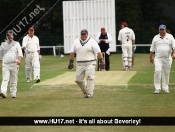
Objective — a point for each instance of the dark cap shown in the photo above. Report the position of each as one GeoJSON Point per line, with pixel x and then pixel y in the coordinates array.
{"type": "Point", "coordinates": [84, 31]}
{"type": "Point", "coordinates": [31, 28]}
{"type": "Point", "coordinates": [9, 32]}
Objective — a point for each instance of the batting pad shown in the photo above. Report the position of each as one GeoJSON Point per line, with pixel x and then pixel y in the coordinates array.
{"type": "Point", "coordinates": [101, 78]}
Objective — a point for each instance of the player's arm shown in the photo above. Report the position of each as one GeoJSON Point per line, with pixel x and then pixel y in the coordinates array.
{"type": "Point", "coordinates": [1, 53]}
{"type": "Point", "coordinates": [24, 43]}
{"type": "Point", "coordinates": [97, 38]}
{"type": "Point", "coordinates": [109, 40]}
{"type": "Point", "coordinates": [97, 51]}
{"type": "Point", "coordinates": [152, 50]}
{"type": "Point", "coordinates": [20, 55]}
{"type": "Point", "coordinates": [71, 57]}
{"type": "Point", "coordinates": [38, 46]}
{"type": "Point", "coordinates": [151, 57]}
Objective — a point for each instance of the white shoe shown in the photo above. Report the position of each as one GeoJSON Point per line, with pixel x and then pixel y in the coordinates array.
{"type": "Point", "coordinates": [157, 91]}
{"type": "Point", "coordinates": [28, 80]}
{"type": "Point", "coordinates": [166, 91]}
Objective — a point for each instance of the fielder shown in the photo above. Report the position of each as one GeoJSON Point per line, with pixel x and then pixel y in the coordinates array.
{"type": "Point", "coordinates": [162, 45]}
{"type": "Point", "coordinates": [31, 46]}
{"type": "Point", "coordinates": [86, 50]}
{"type": "Point", "coordinates": [126, 38]}
{"type": "Point", "coordinates": [10, 55]}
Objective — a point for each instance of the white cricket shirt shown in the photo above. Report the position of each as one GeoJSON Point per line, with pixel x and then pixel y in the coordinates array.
{"type": "Point", "coordinates": [126, 35]}
{"type": "Point", "coordinates": [163, 47]}
{"type": "Point", "coordinates": [31, 43]}
{"type": "Point", "coordinates": [88, 51]}
{"type": "Point", "coordinates": [9, 52]}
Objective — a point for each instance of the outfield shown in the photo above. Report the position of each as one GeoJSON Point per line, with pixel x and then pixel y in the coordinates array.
{"type": "Point", "coordinates": [54, 96]}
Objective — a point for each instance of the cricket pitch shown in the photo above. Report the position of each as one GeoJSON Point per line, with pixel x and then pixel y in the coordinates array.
{"type": "Point", "coordinates": [101, 78]}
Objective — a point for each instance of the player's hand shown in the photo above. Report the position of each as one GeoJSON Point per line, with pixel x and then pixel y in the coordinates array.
{"type": "Point", "coordinates": [71, 65]}
{"type": "Point", "coordinates": [173, 56]}
{"type": "Point", "coordinates": [18, 62]}
{"type": "Point", "coordinates": [102, 64]}
{"type": "Point", "coordinates": [151, 60]}
{"type": "Point", "coordinates": [134, 47]}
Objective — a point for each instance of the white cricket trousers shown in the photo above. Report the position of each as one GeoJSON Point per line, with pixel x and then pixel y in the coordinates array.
{"type": "Point", "coordinates": [162, 71]}
{"type": "Point", "coordinates": [127, 55]}
{"type": "Point", "coordinates": [9, 72]}
{"type": "Point", "coordinates": [32, 61]}
{"type": "Point", "coordinates": [86, 70]}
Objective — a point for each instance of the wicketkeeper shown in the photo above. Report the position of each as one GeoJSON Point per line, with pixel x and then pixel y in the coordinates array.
{"type": "Point", "coordinates": [86, 50]}
{"type": "Point", "coordinates": [10, 54]}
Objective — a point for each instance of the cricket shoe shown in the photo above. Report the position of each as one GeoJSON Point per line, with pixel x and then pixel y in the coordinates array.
{"type": "Point", "coordinates": [37, 80]}
{"type": "Point", "coordinates": [87, 96]}
{"type": "Point", "coordinates": [28, 80]}
{"type": "Point", "coordinates": [2, 95]}
{"type": "Point", "coordinates": [157, 91]}
{"type": "Point", "coordinates": [166, 91]}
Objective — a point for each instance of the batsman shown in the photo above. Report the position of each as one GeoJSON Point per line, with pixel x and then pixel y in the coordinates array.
{"type": "Point", "coordinates": [87, 50]}
{"type": "Point", "coordinates": [31, 46]}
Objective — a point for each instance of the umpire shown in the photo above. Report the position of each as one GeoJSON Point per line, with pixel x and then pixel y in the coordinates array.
{"type": "Point", "coordinates": [104, 40]}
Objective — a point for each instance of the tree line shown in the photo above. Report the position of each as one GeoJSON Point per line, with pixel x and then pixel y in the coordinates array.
{"type": "Point", "coordinates": [143, 16]}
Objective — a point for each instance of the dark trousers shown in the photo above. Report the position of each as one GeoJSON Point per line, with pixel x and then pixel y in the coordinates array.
{"type": "Point", "coordinates": [107, 63]}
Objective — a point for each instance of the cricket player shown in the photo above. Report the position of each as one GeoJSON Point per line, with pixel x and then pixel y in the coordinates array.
{"type": "Point", "coordinates": [104, 40]}
{"type": "Point", "coordinates": [162, 45]}
{"type": "Point", "coordinates": [86, 50]}
{"type": "Point", "coordinates": [126, 38]}
{"type": "Point", "coordinates": [10, 55]}
{"type": "Point", "coordinates": [31, 46]}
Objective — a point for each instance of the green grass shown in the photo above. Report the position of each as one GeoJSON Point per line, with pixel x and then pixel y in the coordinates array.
{"type": "Point", "coordinates": [136, 99]}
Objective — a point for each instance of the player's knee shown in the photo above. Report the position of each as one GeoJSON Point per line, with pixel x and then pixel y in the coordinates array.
{"type": "Point", "coordinates": [90, 77]}
{"type": "Point", "coordinates": [79, 81]}
{"type": "Point", "coordinates": [129, 59]}
{"type": "Point", "coordinates": [28, 66]}
{"type": "Point", "coordinates": [124, 58]}
{"type": "Point", "coordinates": [157, 71]}
{"type": "Point", "coordinates": [36, 64]}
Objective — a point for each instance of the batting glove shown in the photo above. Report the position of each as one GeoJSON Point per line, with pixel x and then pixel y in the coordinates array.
{"type": "Point", "coordinates": [71, 65]}
{"type": "Point", "coordinates": [27, 51]}
{"type": "Point", "coordinates": [134, 47]}
{"type": "Point", "coordinates": [102, 64]}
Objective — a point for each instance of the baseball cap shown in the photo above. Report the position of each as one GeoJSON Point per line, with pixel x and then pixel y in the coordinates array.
{"type": "Point", "coordinates": [124, 24]}
{"type": "Point", "coordinates": [9, 32]}
{"type": "Point", "coordinates": [84, 31]}
{"type": "Point", "coordinates": [102, 29]}
{"type": "Point", "coordinates": [162, 26]}
{"type": "Point", "coordinates": [31, 28]}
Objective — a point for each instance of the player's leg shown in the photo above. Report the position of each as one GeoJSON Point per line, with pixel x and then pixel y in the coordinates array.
{"type": "Point", "coordinates": [129, 56]}
{"type": "Point", "coordinates": [107, 62]}
{"type": "Point", "coordinates": [125, 56]}
{"type": "Point", "coordinates": [166, 73]}
{"type": "Point", "coordinates": [90, 73]}
{"type": "Point", "coordinates": [80, 75]}
{"type": "Point", "coordinates": [13, 80]}
{"type": "Point", "coordinates": [28, 67]}
{"type": "Point", "coordinates": [5, 80]}
{"type": "Point", "coordinates": [157, 74]}
{"type": "Point", "coordinates": [36, 67]}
